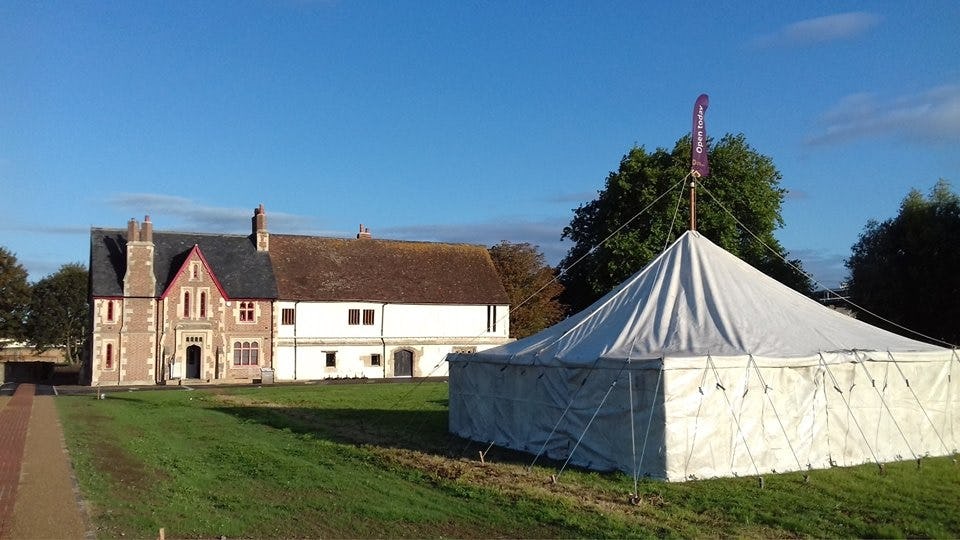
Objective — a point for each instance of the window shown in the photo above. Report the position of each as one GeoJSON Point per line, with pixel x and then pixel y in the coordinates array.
{"type": "Point", "coordinates": [368, 316]}
{"type": "Point", "coordinates": [195, 271]}
{"type": "Point", "coordinates": [491, 318]}
{"type": "Point", "coordinates": [246, 312]}
{"type": "Point", "coordinates": [353, 316]}
{"type": "Point", "coordinates": [287, 316]}
{"type": "Point", "coordinates": [203, 305]}
{"type": "Point", "coordinates": [374, 359]}
{"type": "Point", "coordinates": [464, 350]}
{"type": "Point", "coordinates": [108, 356]}
{"type": "Point", "coordinates": [110, 311]}
{"type": "Point", "coordinates": [331, 359]}
{"type": "Point", "coordinates": [246, 353]}
{"type": "Point", "coordinates": [186, 304]}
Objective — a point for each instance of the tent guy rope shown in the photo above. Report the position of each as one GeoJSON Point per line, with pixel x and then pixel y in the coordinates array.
{"type": "Point", "coordinates": [821, 285]}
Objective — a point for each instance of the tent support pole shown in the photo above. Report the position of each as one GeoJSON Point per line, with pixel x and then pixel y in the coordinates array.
{"type": "Point", "coordinates": [693, 200]}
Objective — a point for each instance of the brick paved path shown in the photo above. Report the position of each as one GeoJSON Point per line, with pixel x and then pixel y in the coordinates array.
{"type": "Point", "coordinates": [14, 419]}
{"type": "Point", "coordinates": [38, 495]}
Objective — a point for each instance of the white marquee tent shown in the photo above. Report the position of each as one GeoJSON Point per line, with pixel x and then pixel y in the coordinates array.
{"type": "Point", "coordinates": [701, 366]}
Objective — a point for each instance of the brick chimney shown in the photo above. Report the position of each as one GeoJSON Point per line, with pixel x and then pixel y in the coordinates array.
{"type": "Point", "coordinates": [260, 235]}
{"type": "Point", "coordinates": [139, 279]}
{"type": "Point", "coordinates": [146, 232]}
{"type": "Point", "coordinates": [364, 232]}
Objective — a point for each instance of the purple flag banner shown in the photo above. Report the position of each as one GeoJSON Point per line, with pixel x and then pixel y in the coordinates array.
{"type": "Point", "coordinates": [698, 138]}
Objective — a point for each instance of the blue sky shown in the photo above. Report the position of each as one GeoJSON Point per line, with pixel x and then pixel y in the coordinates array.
{"type": "Point", "coordinates": [466, 121]}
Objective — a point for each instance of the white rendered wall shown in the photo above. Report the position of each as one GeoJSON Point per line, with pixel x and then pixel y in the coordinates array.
{"type": "Point", "coordinates": [329, 319]}
{"type": "Point", "coordinates": [403, 320]}
{"type": "Point", "coordinates": [429, 332]}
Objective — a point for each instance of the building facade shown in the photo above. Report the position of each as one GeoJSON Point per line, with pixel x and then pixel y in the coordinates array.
{"type": "Point", "coordinates": [382, 308]}
{"type": "Point", "coordinates": [208, 308]}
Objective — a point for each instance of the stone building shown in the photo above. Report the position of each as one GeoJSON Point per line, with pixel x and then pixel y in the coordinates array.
{"type": "Point", "coordinates": [208, 308]}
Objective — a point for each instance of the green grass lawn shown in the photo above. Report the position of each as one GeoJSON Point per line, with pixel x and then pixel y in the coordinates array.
{"type": "Point", "coordinates": [375, 460]}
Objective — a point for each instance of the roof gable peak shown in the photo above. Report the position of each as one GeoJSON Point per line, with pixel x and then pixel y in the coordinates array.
{"type": "Point", "coordinates": [195, 253]}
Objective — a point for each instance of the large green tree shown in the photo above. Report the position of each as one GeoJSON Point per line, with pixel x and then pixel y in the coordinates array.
{"type": "Point", "coordinates": [531, 286]}
{"type": "Point", "coordinates": [906, 270]}
{"type": "Point", "coordinates": [14, 296]}
{"type": "Point", "coordinates": [59, 312]}
{"type": "Point", "coordinates": [741, 180]}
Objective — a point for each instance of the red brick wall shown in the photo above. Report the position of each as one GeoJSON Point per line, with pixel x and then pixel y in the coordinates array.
{"type": "Point", "coordinates": [132, 336]}
{"type": "Point", "coordinates": [217, 330]}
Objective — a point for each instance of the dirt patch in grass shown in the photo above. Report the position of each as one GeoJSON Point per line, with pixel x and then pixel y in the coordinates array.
{"type": "Point", "coordinates": [517, 480]}
{"type": "Point", "coordinates": [123, 469]}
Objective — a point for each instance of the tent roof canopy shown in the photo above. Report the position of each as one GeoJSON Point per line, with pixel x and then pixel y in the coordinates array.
{"type": "Point", "coordinates": [694, 300]}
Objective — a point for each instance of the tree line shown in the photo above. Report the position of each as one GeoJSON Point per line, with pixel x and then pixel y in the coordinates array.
{"type": "Point", "coordinates": [52, 313]}
{"type": "Point", "coordinates": [903, 272]}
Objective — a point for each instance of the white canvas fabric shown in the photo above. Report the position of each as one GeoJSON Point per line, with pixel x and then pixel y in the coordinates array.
{"type": "Point", "coordinates": [699, 365]}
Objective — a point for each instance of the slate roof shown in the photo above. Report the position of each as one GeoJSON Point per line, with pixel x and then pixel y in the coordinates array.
{"type": "Point", "coordinates": [313, 268]}
{"type": "Point", "coordinates": [241, 269]}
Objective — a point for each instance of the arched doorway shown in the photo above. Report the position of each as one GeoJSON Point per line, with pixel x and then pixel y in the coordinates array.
{"type": "Point", "coordinates": [193, 362]}
{"type": "Point", "coordinates": [403, 363]}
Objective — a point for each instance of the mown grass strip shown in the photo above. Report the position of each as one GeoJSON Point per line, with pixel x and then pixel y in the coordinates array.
{"type": "Point", "coordinates": [376, 461]}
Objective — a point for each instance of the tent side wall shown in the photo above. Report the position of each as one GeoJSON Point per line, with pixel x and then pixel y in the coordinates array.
{"type": "Point", "coordinates": [530, 408]}
{"type": "Point", "coordinates": [761, 418]}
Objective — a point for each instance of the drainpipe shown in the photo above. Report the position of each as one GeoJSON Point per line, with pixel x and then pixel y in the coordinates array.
{"type": "Point", "coordinates": [159, 363]}
{"type": "Point", "coordinates": [273, 337]}
{"type": "Point", "coordinates": [296, 316]}
{"type": "Point", "coordinates": [383, 342]}
{"type": "Point", "coordinates": [176, 347]}
{"type": "Point", "coordinates": [123, 323]}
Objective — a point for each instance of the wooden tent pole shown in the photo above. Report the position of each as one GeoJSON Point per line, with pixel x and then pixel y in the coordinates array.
{"type": "Point", "coordinates": [693, 201]}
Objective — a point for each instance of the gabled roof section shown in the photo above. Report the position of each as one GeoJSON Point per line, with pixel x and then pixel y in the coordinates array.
{"type": "Point", "coordinates": [241, 270]}
{"type": "Point", "coordinates": [312, 268]}
{"type": "Point", "coordinates": [183, 269]}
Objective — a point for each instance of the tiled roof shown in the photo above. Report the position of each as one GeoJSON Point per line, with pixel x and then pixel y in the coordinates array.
{"type": "Point", "coordinates": [334, 269]}
{"type": "Point", "coordinates": [241, 269]}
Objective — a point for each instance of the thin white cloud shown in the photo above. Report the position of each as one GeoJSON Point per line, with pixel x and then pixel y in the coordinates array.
{"type": "Point", "coordinates": [796, 194]}
{"type": "Point", "coordinates": [173, 212]}
{"type": "Point", "coordinates": [826, 268]}
{"type": "Point", "coordinates": [60, 230]}
{"type": "Point", "coordinates": [929, 116]}
{"type": "Point", "coordinates": [567, 198]}
{"type": "Point", "coordinates": [826, 29]}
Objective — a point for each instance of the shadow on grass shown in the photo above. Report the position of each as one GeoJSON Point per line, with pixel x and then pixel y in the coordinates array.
{"type": "Point", "coordinates": [415, 430]}
{"type": "Point", "coordinates": [420, 431]}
